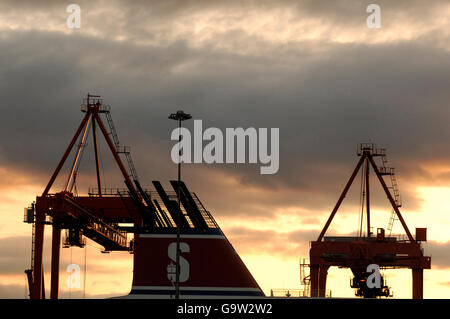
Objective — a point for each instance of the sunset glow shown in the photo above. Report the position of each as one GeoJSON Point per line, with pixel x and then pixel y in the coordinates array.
{"type": "Point", "coordinates": [314, 71]}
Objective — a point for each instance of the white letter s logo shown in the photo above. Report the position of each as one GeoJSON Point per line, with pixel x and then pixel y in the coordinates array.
{"type": "Point", "coordinates": [184, 265]}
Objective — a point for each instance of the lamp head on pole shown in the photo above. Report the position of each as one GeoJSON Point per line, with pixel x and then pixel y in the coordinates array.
{"type": "Point", "coordinates": [180, 116]}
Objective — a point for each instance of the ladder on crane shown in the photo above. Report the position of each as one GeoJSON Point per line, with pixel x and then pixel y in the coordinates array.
{"type": "Point", "coordinates": [384, 170]}
{"type": "Point", "coordinates": [392, 220]}
{"type": "Point", "coordinates": [305, 279]}
{"type": "Point", "coordinates": [121, 149]}
{"type": "Point", "coordinates": [29, 271]}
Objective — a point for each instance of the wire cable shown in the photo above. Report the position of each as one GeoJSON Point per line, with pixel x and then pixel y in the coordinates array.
{"type": "Point", "coordinates": [83, 147]}
{"type": "Point", "coordinates": [85, 271]}
{"type": "Point", "coordinates": [360, 205]}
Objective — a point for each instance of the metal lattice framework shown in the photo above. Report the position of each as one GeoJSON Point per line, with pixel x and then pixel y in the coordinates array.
{"type": "Point", "coordinates": [358, 252]}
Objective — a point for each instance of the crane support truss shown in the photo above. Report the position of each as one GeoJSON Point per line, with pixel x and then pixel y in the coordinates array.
{"type": "Point", "coordinates": [357, 253]}
{"type": "Point", "coordinates": [68, 212]}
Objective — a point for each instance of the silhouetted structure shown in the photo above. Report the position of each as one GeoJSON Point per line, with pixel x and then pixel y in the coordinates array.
{"type": "Point", "coordinates": [358, 252]}
{"type": "Point", "coordinates": [156, 218]}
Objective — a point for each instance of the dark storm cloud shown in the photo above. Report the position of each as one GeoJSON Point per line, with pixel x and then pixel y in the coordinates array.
{"type": "Point", "coordinates": [336, 11]}
{"type": "Point", "coordinates": [324, 102]}
{"type": "Point", "coordinates": [344, 12]}
{"type": "Point", "coordinates": [143, 20]}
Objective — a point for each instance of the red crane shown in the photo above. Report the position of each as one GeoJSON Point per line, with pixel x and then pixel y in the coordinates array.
{"type": "Point", "coordinates": [357, 253]}
{"type": "Point", "coordinates": [95, 217]}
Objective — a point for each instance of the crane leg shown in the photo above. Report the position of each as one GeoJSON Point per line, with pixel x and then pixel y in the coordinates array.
{"type": "Point", "coordinates": [56, 245]}
{"type": "Point", "coordinates": [314, 274]}
{"type": "Point", "coordinates": [38, 252]}
{"type": "Point", "coordinates": [323, 272]}
{"type": "Point", "coordinates": [417, 274]}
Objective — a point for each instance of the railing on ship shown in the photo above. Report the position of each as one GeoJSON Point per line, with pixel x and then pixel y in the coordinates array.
{"type": "Point", "coordinates": [210, 221]}
{"type": "Point", "coordinates": [297, 293]}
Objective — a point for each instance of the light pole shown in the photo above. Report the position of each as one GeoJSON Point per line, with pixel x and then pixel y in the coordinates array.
{"type": "Point", "coordinates": [179, 116]}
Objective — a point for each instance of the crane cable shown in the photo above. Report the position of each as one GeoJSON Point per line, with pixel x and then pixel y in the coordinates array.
{"type": "Point", "coordinates": [70, 286]}
{"type": "Point", "coordinates": [101, 165]}
{"type": "Point", "coordinates": [83, 147]}
{"type": "Point", "coordinates": [361, 202]}
{"type": "Point", "coordinates": [363, 191]}
{"type": "Point", "coordinates": [85, 272]}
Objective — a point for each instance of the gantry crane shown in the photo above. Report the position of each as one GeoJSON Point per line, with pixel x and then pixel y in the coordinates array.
{"type": "Point", "coordinates": [96, 216]}
{"type": "Point", "coordinates": [358, 252]}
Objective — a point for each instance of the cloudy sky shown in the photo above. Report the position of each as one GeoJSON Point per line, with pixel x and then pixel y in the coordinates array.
{"type": "Point", "coordinates": [313, 69]}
